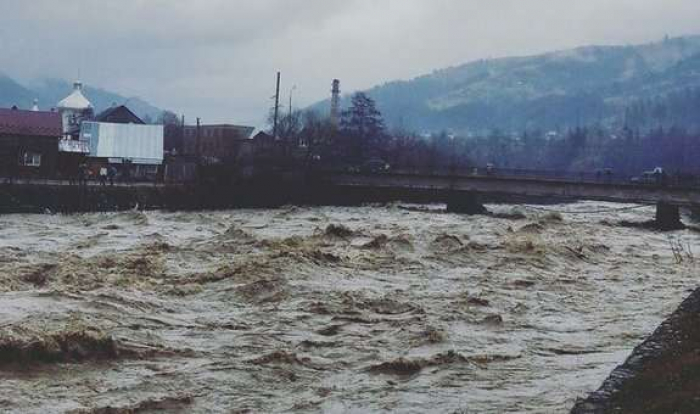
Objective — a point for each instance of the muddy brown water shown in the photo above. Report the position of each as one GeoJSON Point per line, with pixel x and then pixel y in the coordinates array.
{"type": "Point", "coordinates": [389, 308]}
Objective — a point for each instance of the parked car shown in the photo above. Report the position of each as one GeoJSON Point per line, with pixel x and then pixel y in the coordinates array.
{"type": "Point", "coordinates": [375, 166]}
{"type": "Point", "coordinates": [655, 176]}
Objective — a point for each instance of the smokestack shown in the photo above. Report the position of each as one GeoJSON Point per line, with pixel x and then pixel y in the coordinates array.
{"type": "Point", "coordinates": [335, 104]}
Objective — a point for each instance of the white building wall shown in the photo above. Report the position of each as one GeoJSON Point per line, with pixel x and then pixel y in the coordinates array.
{"type": "Point", "coordinates": [142, 144]}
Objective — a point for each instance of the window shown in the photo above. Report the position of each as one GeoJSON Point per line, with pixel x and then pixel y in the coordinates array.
{"type": "Point", "coordinates": [30, 159]}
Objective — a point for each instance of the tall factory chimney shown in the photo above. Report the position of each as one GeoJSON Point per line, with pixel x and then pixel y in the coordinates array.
{"type": "Point", "coordinates": [335, 104]}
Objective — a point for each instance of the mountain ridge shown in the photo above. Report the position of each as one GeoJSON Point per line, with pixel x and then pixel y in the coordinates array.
{"type": "Point", "coordinates": [559, 89]}
{"type": "Point", "coordinates": [50, 91]}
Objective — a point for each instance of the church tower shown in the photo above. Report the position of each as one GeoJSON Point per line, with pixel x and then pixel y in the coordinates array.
{"type": "Point", "coordinates": [75, 109]}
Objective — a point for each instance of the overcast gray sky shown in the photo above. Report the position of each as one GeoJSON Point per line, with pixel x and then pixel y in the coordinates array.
{"type": "Point", "coordinates": [217, 59]}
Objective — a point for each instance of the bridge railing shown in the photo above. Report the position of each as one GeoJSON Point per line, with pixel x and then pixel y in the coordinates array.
{"type": "Point", "coordinates": [92, 182]}
{"type": "Point", "coordinates": [597, 177]}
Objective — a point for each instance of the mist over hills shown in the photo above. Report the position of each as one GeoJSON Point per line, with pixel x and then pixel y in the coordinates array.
{"type": "Point", "coordinates": [582, 86]}
{"type": "Point", "coordinates": [50, 91]}
{"type": "Point", "coordinates": [12, 93]}
{"type": "Point", "coordinates": [648, 85]}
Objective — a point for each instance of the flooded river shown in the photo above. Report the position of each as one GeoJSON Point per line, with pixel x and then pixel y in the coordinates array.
{"type": "Point", "coordinates": [391, 308]}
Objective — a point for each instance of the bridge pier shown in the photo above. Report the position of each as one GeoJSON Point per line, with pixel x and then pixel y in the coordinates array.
{"type": "Point", "coordinates": [668, 217]}
{"type": "Point", "coordinates": [695, 213]}
{"type": "Point", "coordinates": [465, 203]}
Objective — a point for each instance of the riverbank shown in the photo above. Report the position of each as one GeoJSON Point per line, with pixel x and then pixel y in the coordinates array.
{"type": "Point", "coordinates": [39, 197]}
{"type": "Point", "coordinates": [265, 192]}
{"type": "Point", "coordinates": [661, 376]}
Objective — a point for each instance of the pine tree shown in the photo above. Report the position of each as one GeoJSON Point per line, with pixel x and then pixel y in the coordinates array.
{"type": "Point", "coordinates": [363, 125]}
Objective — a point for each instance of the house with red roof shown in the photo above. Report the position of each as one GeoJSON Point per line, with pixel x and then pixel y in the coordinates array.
{"type": "Point", "coordinates": [29, 142]}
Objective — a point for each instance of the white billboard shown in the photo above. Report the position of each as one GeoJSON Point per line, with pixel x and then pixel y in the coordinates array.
{"type": "Point", "coordinates": [142, 144]}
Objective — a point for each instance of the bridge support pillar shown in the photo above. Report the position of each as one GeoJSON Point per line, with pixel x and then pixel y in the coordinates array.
{"type": "Point", "coordinates": [695, 213]}
{"type": "Point", "coordinates": [668, 217]}
{"type": "Point", "coordinates": [465, 203]}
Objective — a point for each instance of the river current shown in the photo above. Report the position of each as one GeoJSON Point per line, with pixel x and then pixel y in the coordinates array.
{"type": "Point", "coordinates": [382, 308]}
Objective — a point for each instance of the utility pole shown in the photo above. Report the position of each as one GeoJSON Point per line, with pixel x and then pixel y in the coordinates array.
{"type": "Point", "coordinates": [291, 91]}
{"type": "Point", "coordinates": [181, 144]}
{"type": "Point", "coordinates": [277, 106]}
{"type": "Point", "coordinates": [197, 152]}
{"type": "Point", "coordinates": [288, 131]}
{"type": "Point", "coordinates": [196, 142]}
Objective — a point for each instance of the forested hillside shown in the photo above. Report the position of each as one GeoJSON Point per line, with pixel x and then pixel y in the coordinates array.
{"type": "Point", "coordinates": [604, 85]}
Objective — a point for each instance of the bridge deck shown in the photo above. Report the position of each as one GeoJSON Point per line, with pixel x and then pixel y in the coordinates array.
{"type": "Point", "coordinates": [615, 192]}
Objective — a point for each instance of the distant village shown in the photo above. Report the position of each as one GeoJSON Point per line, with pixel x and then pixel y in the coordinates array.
{"type": "Point", "coordinates": [72, 142]}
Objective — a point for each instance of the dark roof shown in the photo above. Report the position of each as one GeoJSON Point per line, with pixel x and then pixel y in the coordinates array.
{"type": "Point", "coordinates": [242, 130]}
{"type": "Point", "coordinates": [262, 135]}
{"type": "Point", "coordinates": [119, 115]}
{"type": "Point", "coordinates": [30, 123]}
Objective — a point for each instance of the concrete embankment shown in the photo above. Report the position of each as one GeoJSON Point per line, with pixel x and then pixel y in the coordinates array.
{"type": "Point", "coordinates": [263, 192]}
{"type": "Point", "coordinates": [661, 376]}
{"type": "Point", "coordinates": [24, 198]}
{"type": "Point", "coordinates": [38, 198]}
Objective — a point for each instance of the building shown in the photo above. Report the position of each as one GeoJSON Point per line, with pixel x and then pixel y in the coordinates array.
{"type": "Point", "coordinates": [29, 142]}
{"type": "Point", "coordinates": [208, 152]}
{"type": "Point", "coordinates": [269, 152]}
{"type": "Point", "coordinates": [215, 143]}
{"type": "Point", "coordinates": [75, 109]}
{"type": "Point", "coordinates": [116, 137]}
{"type": "Point", "coordinates": [135, 149]}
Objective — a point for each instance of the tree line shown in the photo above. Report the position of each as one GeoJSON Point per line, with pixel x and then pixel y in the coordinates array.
{"type": "Point", "coordinates": [655, 133]}
{"type": "Point", "coordinates": [629, 150]}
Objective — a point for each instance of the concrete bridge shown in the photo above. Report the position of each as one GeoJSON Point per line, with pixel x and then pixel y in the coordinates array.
{"type": "Point", "coordinates": [461, 191]}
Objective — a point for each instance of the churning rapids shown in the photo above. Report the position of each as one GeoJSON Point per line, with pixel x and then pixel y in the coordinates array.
{"type": "Point", "coordinates": [391, 308]}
